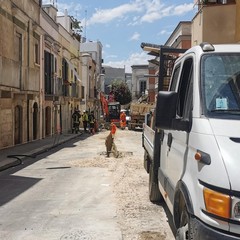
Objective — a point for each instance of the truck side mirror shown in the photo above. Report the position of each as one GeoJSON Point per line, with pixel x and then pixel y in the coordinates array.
{"type": "Point", "coordinates": [166, 109]}
{"type": "Point", "coordinates": [166, 113]}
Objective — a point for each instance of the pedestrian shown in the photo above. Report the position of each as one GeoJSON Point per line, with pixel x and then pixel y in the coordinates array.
{"type": "Point", "coordinates": [85, 120]}
{"type": "Point", "coordinates": [91, 120]}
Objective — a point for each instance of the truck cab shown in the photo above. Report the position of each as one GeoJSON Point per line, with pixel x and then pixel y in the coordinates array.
{"type": "Point", "coordinates": [192, 154]}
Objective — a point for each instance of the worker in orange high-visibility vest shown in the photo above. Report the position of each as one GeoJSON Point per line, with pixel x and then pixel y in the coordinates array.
{"type": "Point", "coordinates": [123, 120]}
{"type": "Point", "coordinates": [113, 129]}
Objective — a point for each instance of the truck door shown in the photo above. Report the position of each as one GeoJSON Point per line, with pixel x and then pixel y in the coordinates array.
{"type": "Point", "coordinates": [175, 143]}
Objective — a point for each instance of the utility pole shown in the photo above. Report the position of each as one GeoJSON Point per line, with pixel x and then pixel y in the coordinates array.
{"type": "Point", "coordinates": [85, 27]}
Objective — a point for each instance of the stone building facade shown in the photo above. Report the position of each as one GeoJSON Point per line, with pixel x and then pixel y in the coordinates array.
{"type": "Point", "coordinates": [39, 72]}
{"type": "Point", "coordinates": [19, 72]}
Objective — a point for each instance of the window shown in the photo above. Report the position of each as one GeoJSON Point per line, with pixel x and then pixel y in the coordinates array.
{"type": "Point", "coordinates": [220, 84]}
{"type": "Point", "coordinates": [18, 47]}
{"type": "Point", "coordinates": [36, 54]}
{"type": "Point", "coordinates": [18, 55]}
{"type": "Point", "coordinates": [55, 68]}
{"type": "Point", "coordinates": [82, 92]}
{"type": "Point", "coordinates": [64, 70]}
{"type": "Point", "coordinates": [184, 99]}
{"type": "Point", "coordinates": [175, 78]}
{"type": "Point", "coordinates": [48, 70]}
{"type": "Point", "coordinates": [143, 86]}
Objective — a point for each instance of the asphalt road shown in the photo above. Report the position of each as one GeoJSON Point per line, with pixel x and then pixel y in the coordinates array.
{"type": "Point", "coordinates": [76, 192]}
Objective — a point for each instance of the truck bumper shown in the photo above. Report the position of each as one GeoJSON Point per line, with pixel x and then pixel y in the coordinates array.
{"type": "Point", "coordinates": [206, 232]}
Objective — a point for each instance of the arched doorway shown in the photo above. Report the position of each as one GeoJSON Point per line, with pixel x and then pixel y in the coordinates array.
{"type": "Point", "coordinates": [48, 121]}
{"type": "Point", "coordinates": [18, 125]}
{"type": "Point", "coordinates": [35, 121]}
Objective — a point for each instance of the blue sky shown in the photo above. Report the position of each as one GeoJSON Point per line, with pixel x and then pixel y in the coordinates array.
{"type": "Point", "coordinates": [122, 25]}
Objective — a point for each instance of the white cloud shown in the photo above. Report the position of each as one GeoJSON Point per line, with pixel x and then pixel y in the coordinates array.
{"type": "Point", "coordinates": [71, 7]}
{"type": "Point", "coordinates": [143, 10]}
{"type": "Point", "coordinates": [111, 56]}
{"type": "Point", "coordinates": [107, 45]}
{"type": "Point", "coordinates": [46, 1]}
{"type": "Point", "coordinates": [164, 32]}
{"type": "Point", "coordinates": [107, 15]}
{"type": "Point", "coordinates": [147, 10]}
{"type": "Point", "coordinates": [160, 11]}
{"type": "Point", "coordinates": [135, 36]}
{"type": "Point", "coordinates": [182, 9]}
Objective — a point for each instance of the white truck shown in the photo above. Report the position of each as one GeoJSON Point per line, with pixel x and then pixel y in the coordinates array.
{"type": "Point", "coordinates": [192, 153]}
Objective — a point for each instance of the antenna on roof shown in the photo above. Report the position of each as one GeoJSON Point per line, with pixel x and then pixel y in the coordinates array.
{"type": "Point", "coordinates": [85, 27]}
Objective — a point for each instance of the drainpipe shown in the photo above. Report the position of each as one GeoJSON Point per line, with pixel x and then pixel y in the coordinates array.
{"type": "Point", "coordinates": [28, 120]}
{"type": "Point", "coordinates": [41, 91]}
{"type": "Point", "coordinates": [61, 125]}
{"type": "Point", "coordinates": [28, 66]}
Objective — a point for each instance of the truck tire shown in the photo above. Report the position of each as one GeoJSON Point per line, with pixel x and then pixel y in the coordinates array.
{"type": "Point", "coordinates": [188, 227]}
{"type": "Point", "coordinates": [154, 192]}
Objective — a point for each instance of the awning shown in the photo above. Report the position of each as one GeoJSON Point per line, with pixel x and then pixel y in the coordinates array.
{"type": "Point", "coordinates": [72, 67]}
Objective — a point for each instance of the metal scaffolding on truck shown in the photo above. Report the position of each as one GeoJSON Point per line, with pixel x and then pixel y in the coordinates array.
{"type": "Point", "coordinates": [165, 58]}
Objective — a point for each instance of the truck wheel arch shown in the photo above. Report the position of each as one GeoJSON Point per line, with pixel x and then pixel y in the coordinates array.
{"type": "Point", "coordinates": [182, 199]}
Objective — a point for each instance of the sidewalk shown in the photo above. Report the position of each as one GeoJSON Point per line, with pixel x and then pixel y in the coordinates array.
{"type": "Point", "coordinates": [31, 149]}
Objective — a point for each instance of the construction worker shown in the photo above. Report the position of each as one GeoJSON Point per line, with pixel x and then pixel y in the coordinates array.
{"type": "Point", "coordinates": [85, 120]}
{"type": "Point", "coordinates": [76, 120]}
{"type": "Point", "coordinates": [91, 120]}
{"type": "Point", "coordinates": [123, 120]}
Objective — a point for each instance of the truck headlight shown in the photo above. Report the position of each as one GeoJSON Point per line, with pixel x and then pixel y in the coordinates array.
{"type": "Point", "coordinates": [236, 208]}
{"type": "Point", "coordinates": [217, 203]}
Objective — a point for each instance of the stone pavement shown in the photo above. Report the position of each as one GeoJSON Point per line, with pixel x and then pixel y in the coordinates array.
{"type": "Point", "coordinates": [21, 151]}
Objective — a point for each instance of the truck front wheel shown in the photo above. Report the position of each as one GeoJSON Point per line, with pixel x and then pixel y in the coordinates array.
{"type": "Point", "coordinates": [154, 192]}
{"type": "Point", "coordinates": [187, 228]}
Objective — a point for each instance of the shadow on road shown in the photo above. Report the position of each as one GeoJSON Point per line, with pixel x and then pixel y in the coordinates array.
{"type": "Point", "coordinates": [12, 186]}
{"type": "Point", "coordinates": [169, 217]}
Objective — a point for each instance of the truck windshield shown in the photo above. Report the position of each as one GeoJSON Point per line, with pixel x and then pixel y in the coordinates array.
{"type": "Point", "coordinates": [220, 85]}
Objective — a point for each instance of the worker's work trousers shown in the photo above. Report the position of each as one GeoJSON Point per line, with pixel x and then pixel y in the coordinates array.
{"type": "Point", "coordinates": [109, 143]}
